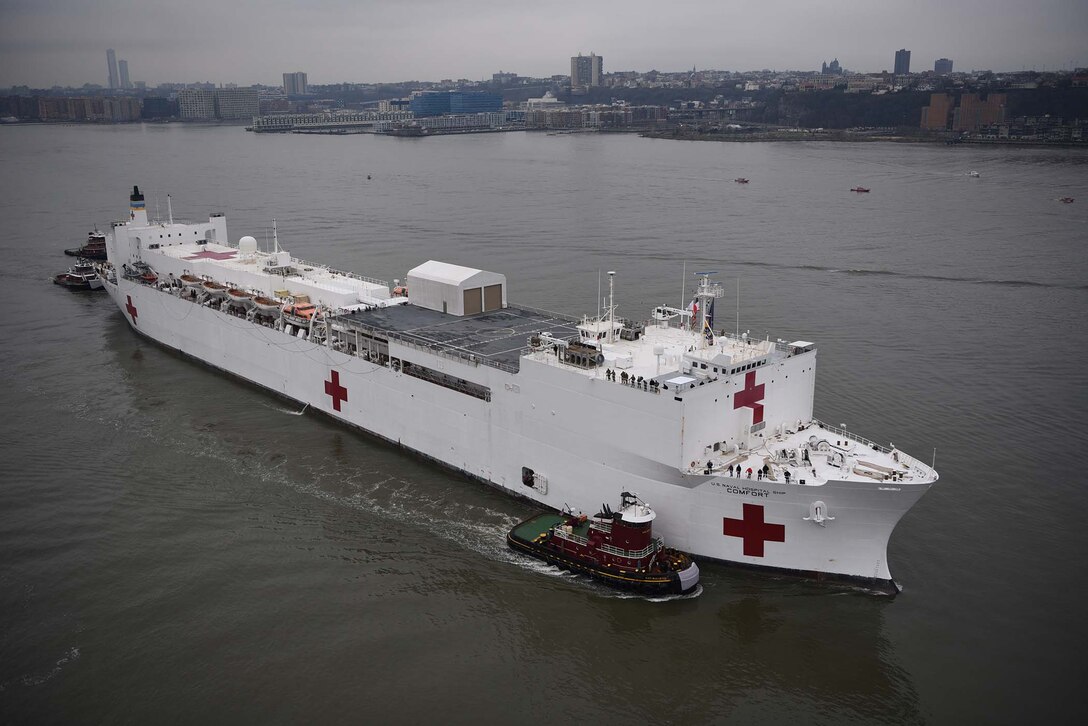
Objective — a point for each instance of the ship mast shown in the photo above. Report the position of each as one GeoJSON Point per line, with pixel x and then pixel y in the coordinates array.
{"type": "Point", "coordinates": [611, 307]}
{"type": "Point", "coordinates": [705, 295]}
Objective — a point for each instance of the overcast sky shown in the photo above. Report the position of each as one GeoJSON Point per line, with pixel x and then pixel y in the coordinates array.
{"type": "Point", "coordinates": [64, 42]}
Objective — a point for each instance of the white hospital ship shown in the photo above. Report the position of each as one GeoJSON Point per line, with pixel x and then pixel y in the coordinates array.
{"type": "Point", "coordinates": [715, 430]}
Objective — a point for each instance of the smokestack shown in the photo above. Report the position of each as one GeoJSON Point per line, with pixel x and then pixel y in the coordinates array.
{"type": "Point", "coordinates": [137, 211]}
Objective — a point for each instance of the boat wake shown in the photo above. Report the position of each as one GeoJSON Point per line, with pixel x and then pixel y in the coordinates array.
{"type": "Point", "coordinates": [70, 656]}
{"type": "Point", "coordinates": [288, 410]}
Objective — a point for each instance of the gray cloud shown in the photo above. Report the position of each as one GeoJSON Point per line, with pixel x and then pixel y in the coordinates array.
{"type": "Point", "coordinates": [47, 42]}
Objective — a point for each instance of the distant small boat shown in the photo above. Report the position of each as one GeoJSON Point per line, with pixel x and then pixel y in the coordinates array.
{"type": "Point", "coordinates": [741, 180]}
{"type": "Point", "coordinates": [860, 189]}
{"type": "Point", "coordinates": [1066, 200]}
{"type": "Point", "coordinates": [974, 174]}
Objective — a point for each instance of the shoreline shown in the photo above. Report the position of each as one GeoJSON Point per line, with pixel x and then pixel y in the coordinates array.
{"type": "Point", "coordinates": [844, 137]}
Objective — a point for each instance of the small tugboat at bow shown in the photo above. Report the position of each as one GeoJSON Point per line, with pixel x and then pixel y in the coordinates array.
{"type": "Point", "coordinates": [617, 548]}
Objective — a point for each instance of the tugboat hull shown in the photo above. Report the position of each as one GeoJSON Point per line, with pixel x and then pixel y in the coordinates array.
{"type": "Point", "coordinates": [530, 538]}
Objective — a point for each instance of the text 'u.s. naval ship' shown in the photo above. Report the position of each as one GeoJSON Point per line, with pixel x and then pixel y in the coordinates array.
{"type": "Point", "coordinates": [715, 430]}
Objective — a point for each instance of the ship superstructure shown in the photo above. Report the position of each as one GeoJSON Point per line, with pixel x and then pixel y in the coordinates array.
{"type": "Point", "coordinates": [716, 429]}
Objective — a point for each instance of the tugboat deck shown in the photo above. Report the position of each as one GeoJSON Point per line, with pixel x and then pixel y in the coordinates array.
{"type": "Point", "coordinates": [534, 527]}
{"type": "Point", "coordinates": [498, 337]}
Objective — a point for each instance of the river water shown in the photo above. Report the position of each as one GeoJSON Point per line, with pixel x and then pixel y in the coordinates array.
{"type": "Point", "coordinates": [177, 547]}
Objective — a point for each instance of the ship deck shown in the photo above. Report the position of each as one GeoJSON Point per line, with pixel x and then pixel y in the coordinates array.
{"type": "Point", "coordinates": [498, 337]}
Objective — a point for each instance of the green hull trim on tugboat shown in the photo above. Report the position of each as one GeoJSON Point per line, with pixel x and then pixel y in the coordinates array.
{"type": "Point", "coordinates": [603, 549]}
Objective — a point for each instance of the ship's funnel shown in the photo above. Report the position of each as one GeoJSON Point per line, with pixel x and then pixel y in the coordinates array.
{"type": "Point", "coordinates": [137, 210]}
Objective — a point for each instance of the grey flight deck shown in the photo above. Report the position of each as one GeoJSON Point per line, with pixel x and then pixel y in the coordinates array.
{"type": "Point", "coordinates": [498, 336]}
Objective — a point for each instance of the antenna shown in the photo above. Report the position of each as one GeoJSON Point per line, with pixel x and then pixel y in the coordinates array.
{"type": "Point", "coordinates": [275, 238]}
{"type": "Point", "coordinates": [934, 464]}
{"type": "Point", "coordinates": [169, 209]}
{"type": "Point", "coordinates": [598, 300]}
{"type": "Point", "coordinates": [684, 285]}
{"type": "Point", "coordinates": [611, 308]}
{"type": "Point", "coordinates": [738, 307]}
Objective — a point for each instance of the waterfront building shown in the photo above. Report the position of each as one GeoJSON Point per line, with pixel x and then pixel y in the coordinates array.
{"type": "Point", "coordinates": [196, 103]}
{"type": "Point", "coordinates": [111, 67]}
{"type": "Point", "coordinates": [122, 68]}
{"type": "Point", "coordinates": [294, 84]}
{"type": "Point", "coordinates": [902, 62]}
{"type": "Point", "coordinates": [977, 110]}
{"type": "Point", "coordinates": [585, 70]}
{"type": "Point", "coordinates": [938, 114]}
{"type": "Point", "coordinates": [158, 107]}
{"type": "Point", "coordinates": [545, 102]}
{"type": "Point", "coordinates": [236, 103]}
{"type": "Point", "coordinates": [942, 66]}
{"type": "Point", "coordinates": [440, 103]}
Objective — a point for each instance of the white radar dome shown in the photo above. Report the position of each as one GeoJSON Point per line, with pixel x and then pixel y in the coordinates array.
{"type": "Point", "coordinates": [247, 244]}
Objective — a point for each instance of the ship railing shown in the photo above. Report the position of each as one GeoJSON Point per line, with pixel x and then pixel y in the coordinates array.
{"type": "Point", "coordinates": [654, 546]}
{"type": "Point", "coordinates": [860, 439]}
{"type": "Point", "coordinates": [551, 313]}
{"type": "Point", "coordinates": [920, 467]}
{"type": "Point", "coordinates": [372, 280]}
{"type": "Point", "coordinates": [459, 355]}
{"type": "Point", "coordinates": [570, 536]}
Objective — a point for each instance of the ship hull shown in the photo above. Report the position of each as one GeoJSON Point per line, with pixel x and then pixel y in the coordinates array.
{"type": "Point", "coordinates": [758, 524]}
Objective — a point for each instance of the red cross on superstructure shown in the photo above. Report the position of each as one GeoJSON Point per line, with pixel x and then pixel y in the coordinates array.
{"type": "Point", "coordinates": [334, 389]}
{"type": "Point", "coordinates": [750, 397]}
{"type": "Point", "coordinates": [206, 255]}
{"type": "Point", "coordinates": [754, 530]}
{"type": "Point", "coordinates": [131, 309]}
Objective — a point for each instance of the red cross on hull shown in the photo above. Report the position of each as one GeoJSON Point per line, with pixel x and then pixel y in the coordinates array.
{"type": "Point", "coordinates": [131, 309]}
{"type": "Point", "coordinates": [751, 397]}
{"type": "Point", "coordinates": [335, 390]}
{"type": "Point", "coordinates": [753, 530]}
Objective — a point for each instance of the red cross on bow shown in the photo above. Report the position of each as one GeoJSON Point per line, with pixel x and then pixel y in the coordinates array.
{"type": "Point", "coordinates": [754, 530]}
{"type": "Point", "coordinates": [334, 389]}
{"type": "Point", "coordinates": [750, 397]}
{"type": "Point", "coordinates": [206, 255]}
{"type": "Point", "coordinates": [131, 309]}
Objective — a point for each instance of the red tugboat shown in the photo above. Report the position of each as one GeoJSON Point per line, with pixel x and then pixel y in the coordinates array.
{"type": "Point", "coordinates": [617, 548]}
{"type": "Point", "coordinates": [94, 249]}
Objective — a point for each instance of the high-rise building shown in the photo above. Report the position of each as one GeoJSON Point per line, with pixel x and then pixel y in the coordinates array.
{"type": "Point", "coordinates": [585, 70]}
{"type": "Point", "coordinates": [942, 67]}
{"type": "Point", "coordinates": [111, 66]}
{"type": "Point", "coordinates": [902, 62]}
{"type": "Point", "coordinates": [196, 103]}
{"type": "Point", "coordinates": [236, 103]}
{"type": "Point", "coordinates": [294, 84]}
{"type": "Point", "coordinates": [122, 67]}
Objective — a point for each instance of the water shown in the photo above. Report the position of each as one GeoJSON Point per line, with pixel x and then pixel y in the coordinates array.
{"type": "Point", "coordinates": [179, 547]}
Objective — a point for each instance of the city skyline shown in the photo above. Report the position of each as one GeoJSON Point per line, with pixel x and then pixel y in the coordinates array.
{"type": "Point", "coordinates": [60, 42]}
